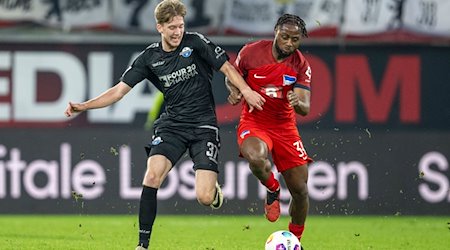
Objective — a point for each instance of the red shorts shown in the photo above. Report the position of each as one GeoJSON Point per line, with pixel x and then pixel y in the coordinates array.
{"type": "Point", "coordinates": [285, 144]}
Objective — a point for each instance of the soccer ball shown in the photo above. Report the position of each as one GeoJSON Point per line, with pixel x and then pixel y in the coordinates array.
{"type": "Point", "coordinates": [282, 240]}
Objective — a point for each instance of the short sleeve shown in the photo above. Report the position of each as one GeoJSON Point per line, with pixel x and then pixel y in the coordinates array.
{"type": "Point", "coordinates": [240, 63]}
{"type": "Point", "coordinates": [213, 54]}
{"type": "Point", "coordinates": [137, 72]}
{"type": "Point", "coordinates": [304, 75]}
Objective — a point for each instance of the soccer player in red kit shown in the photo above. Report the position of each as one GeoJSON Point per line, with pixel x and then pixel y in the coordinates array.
{"type": "Point", "coordinates": [279, 72]}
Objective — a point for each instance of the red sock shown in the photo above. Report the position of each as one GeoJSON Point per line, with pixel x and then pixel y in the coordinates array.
{"type": "Point", "coordinates": [297, 230]}
{"type": "Point", "coordinates": [272, 184]}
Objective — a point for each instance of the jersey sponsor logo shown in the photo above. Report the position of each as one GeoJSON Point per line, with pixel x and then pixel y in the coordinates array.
{"type": "Point", "coordinates": [258, 76]}
{"type": "Point", "coordinates": [289, 80]}
{"type": "Point", "coordinates": [156, 64]}
{"type": "Point", "coordinates": [186, 52]}
{"type": "Point", "coordinates": [244, 133]}
{"type": "Point", "coordinates": [156, 141]}
{"type": "Point", "coordinates": [182, 74]}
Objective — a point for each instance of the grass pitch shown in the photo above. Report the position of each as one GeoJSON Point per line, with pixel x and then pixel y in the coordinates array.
{"type": "Point", "coordinates": [221, 232]}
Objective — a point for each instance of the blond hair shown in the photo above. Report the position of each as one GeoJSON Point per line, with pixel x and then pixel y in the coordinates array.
{"type": "Point", "coordinates": [167, 9]}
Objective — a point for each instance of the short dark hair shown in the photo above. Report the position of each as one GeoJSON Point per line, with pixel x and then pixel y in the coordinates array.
{"type": "Point", "coordinates": [294, 20]}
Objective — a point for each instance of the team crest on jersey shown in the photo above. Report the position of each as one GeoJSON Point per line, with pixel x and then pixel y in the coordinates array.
{"type": "Point", "coordinates": [157, 140]}
{"type": "Point", "coordinates": [289, 80]}
{"type": "Point", "coordinates": [244, 133]}
{"type": "Point", "coordinates": [186, 52]}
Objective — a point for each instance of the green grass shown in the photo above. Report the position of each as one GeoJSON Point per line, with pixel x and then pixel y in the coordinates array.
{"type": "Point", "coordinates": [222, 232]}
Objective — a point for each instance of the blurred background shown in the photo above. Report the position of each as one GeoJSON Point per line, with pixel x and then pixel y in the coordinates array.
{"type": "Point", "coordinates": [379, 128]}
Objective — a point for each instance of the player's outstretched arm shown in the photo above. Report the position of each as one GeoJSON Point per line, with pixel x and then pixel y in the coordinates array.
{"type": "Point", "coordinates": [107, 98]}
{"type": "Point", "coordinates": [253, 98]}
{"type": "Point", "coordinates": [299, 99]}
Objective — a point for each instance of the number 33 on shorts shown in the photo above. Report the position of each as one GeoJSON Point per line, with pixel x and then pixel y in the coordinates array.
{"type": "Point", "coordinates": [302, 151]}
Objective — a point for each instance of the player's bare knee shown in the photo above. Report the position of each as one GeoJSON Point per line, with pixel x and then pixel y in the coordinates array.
{"type": "Point", "coordinates": [253, 155]}
{"type": "Point", "coordinates": [300, 192]}
{"type": "Point", "coordinates": [205, 198]}
{"type": "Point", "coordinates": [152, 180]}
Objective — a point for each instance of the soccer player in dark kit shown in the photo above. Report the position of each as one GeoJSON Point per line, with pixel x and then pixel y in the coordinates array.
{"type": "Point", "coordinates": [278, 70]}
{"type": "Point", "coordinates": [181, 65]}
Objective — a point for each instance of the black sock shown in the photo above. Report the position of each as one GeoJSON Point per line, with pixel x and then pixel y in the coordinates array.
{"type": "Point", "coordinates": [147, 214]}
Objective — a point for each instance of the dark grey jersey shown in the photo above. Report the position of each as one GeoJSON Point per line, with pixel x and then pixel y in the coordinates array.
{"type": "Point", "coordinates": [184, 76]}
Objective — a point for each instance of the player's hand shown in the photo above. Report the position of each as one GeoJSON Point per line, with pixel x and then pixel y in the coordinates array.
{"type": "Point", "coordinates": [234, 98]}
{"type": "Point", "coordinates": [73, 108]}
{"type": "Point", "coordinates": [253, 99]}
{"type": "Point", "coordinates": [293, 98]}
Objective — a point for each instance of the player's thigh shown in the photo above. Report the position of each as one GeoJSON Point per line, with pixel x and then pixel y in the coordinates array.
{"type": "Point", "coordinates": [296, 175]}
{"type": "Point", "coordinates": [253, 140]}
{"type": "Point", "coordinates": [296, 180]}
{"type": "Point", "coordinates": [205, 181]}
{"type": "Point", "coordinates": [158, 166]}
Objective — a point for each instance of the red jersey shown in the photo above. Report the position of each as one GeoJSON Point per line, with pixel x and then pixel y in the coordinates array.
{"type": "Point", "coordinates": [272, 80]}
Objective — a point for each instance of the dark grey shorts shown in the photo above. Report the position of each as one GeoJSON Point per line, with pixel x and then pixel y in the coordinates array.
{"type": "Point", "coordinates": [202, 143]}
